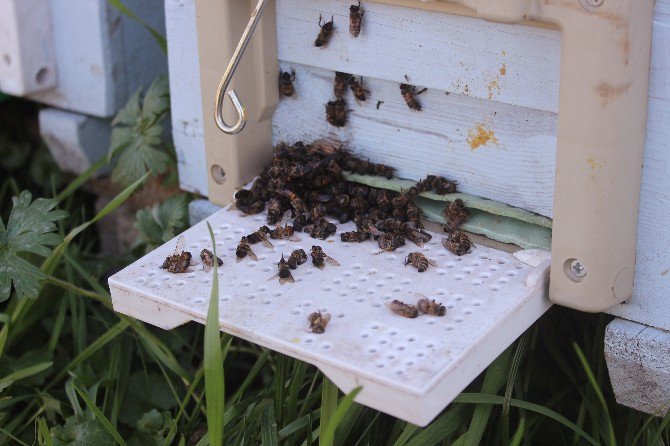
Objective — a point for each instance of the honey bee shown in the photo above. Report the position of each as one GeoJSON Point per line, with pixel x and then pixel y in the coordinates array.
{"type": "Point", "coordinates": [322, 229]}
{"type": "Point", "coordinates": [284, 232]}
{"type": "Point", "coordinates": [340, 86]}
{"type": "Point", "coordinates": [284, 273]}
{"type": "Point", "coordinates": [457, 243]}
{"type": "Point", "coordinates": [286, 80]}
{"type": "Point", "coordinates": [336, 113]}
{"type": "Point", "coordinates": [207, 258]}
{"type": "Point", "coordinates": [297, 257]}
{"type": "Point", "coordinates": [275, 211]}
{"type": "Point", "coordinates": [260, 236]}
{"type": "Point", "coordinates": [440, 185]}
{"type": "Point", "coordinates": [357, 89]}
{"type": "Point", "coordinates": [354, 236]}
{"type": "Point", "coordinates": [244, 249]}
{"type": "Point", "coordinates": [355, 19]}
{"type": "Point", "coordinates": [390, 242]}
{"type": "Point", "coordinates": [319, 258]}
{"type": "Point", "coordinates": [430, 307]}
{"type": "Point", "coordinates": [409, 93]}
{"type": "Point", "coordinates": [419, 261]}
{"type": "Point", "coordinates": [414, 215]}
{"type": "Point", "coordinates": [455, 215]}
{"type": "Point", "coordinates": [296, 202]}
{"type": "Point", "coordinates": [318, 322]}
{"type": "Point", "coordinates": [402, 309]}
{"type": "Point", "coordinates": [417, 236]}
{"type": "Point", "coordinates": [180, 260]}
{"type": "Point", "coordinates": [325, 33]}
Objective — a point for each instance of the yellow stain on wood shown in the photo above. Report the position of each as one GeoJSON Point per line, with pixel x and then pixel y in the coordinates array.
{"type": "Point", "coordinates": [493, 87]}
{"type": "Point", "coordinates": [481, 135]}
{"type": "Point", "coordinates": [295, 340]}
{"type": "Point", "coordinates": [503, 70]}
{"type": "Point", "coordinates": [594, 165]}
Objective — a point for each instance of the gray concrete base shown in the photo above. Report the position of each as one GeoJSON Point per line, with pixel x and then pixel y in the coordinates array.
{"type": "Point", "coordinates": [198, 210]}
{"type": "Point", "coordinates": [638, 360]}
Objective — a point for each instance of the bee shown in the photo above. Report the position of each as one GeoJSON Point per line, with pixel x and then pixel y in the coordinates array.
{"type": "Point", "coordinates": [355, 19]}
{"type": "Point", "coordinates": [414, 215]}
{"type": "Point", "coordinates": [244, 249]}
{"type": "Point", "coordinates": [180, 260]}
{"type": "Point", "coordinates": [419, 261]}
{"type": "Point", "coordinates": [455, 215]}
{"type": "Point", "coordinates": [300, 222]}
{"type": "Point", "coordinates": [390, 242]}
{"type": "Point", "coordinates": [284, 273]}
{"type": "Point", "coordinates": [297, 257]}
{"type": "Point", "coordinates": [325, 33]}
{"type": "Point", "coordinates": [402, 309]}
{"type": "Point", "coordinates": [440, 185]}
{"type": "Point", "coordinates": [409, 93]}
{"type": "Point", "coordinates": [207, 258]}
{"type": "Point", "coordinates": [318, 322]}
{"type": "Point", "coordinates": [417, 236]}
{"type": "Point", "coordinates": [354, 236]}
{"type": "Point", "coordinates": [322, 229]}
{"type": "Point", "coordinates": [457, 243]}
{"type": "Point", "coordinates": [357, 89]}
{"type": "Point", "coordinates": [284, 232]}
{"type": "Point", "coordinates": [336, 113]}
{"type": "Point", "coordinates": [276, 211]}
{"type": "Point", "coordinates": [260, 236]}
{"type": "Point", "coordinates": [296, 202]}
{"type": "Point", "coordinates": [430, 307]}
{"type": "Point", "coordinates": [319, 258]}
{"type": "Point", "coordinates": [340, 86]}
{"type": "Point", "coordinates": [251, 208]}
{"type": "Point", "coordinates": [286, 80]}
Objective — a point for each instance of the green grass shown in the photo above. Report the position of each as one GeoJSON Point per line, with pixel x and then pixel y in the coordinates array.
{"type": "Point", "coordinates": [74, 372]}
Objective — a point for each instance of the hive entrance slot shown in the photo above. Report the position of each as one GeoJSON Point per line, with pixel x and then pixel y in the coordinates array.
{"type": "Point", "coordinates": [409, 368]}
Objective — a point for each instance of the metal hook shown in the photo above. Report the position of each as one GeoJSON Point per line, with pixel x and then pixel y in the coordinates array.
{"type": "Point", "coordinates": [228, 75]}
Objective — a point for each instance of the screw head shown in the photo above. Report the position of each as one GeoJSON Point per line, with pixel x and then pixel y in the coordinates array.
{"type": "Point", "coordinates": [578, 269]}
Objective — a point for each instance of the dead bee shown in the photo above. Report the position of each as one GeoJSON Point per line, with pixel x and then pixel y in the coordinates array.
{"type": "Point", "coordinates": [336, 113]}
{"type": "Point", "coordinates": [341, 81]}
{"type": "Point", "coordinates": [297, 257]}
{"type": "Point", "coordinates": [326, 32]}
{"type": "Point", "coordinates": [457, 243]}
{"type": "Point", "coordinates": [286, 80]}
{"type": "Point", "coordinates": [440, 185]}
{"type": "Point", "coordinates": [284, 273]}
{"type": "Point", "coordinates": [379, 104]}
{"type": "Point", "coordinates": [419, 261]}
{"type": "Point", "coordinates": [244, 249]}
{"type": "Point", "coordinates": [402, 309]}
{"type": "Point", "coordinates": [207, 258]}
{"type": "Point", "coordinates": [322, 229]}
{"type": "Point", "coordinates": [357, 89]}
{"type": "Point", "coordinates": [284, 232]}
{"type": "Point", "coordinates": [390, 242]}
{"type": "Point", "coordinates": [430, 307]}
{"type": "Point", "coordinates": [275, 211]}
{"type": "Point", "coordinates": [260, 236]}
{"type": "Point", "coordinates": [354, 236]}
{"type": "Point", "coordinates": [180, 260]}
{"type": "Point", "coordinates": [296, 202]}
{"type": "Point", "coordinates": [455, 215]}
{"type": "Point", "coordinates": [414, 215]}
{"type": "Point", "coordinates": [417, 236]}
{"type": "Point", "coordinates": [318, 322]}
{"type": "Point", "coordinates": [409, 93]}
{"type": "Point", "coordinates": [319, 258]}
{"type": "Point", "coordinates": [355, 19]}
{"type": "Point", "coordinates": [250, 207]}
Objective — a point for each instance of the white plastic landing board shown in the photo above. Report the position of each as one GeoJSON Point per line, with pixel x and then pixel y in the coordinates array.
{"type": "Point", "coordinates": [409, 368]}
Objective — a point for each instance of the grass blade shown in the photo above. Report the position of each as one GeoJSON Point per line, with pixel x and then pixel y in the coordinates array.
{"type": "Point", "coordinates": [154, 32]}
{"type": "Point", "coordinates": [518, 435]}
{"type": "Point", "coordinates": [214, 378]}
{"type": "Point", "coordinates": [100, 416]}
{"type": "Point", "coordinates": [329, 394]}
{"type": "Point", "coordinates": [43, 435]}
{"type": "Point", "coordinates": [327, 433]}
{"type": "Point", "coordinates": [7, 380]}
{"type": "Point", "coordinates": [269, 436]}
{"type": "Point", "coordinates": [443, 427]}
{"type": "Point", "coordinates": [407, 432]}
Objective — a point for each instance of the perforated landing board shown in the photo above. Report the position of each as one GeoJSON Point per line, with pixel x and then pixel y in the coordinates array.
{"type": "Point", "coordinates": [409, 368]}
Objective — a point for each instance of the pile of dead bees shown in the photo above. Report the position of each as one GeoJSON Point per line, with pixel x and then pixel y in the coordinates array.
{"type": "Point", "coordinates": [305, 182]}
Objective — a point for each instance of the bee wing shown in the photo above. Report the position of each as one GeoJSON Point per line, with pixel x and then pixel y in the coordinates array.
{"type": "Point", "coordinates": [321, 266]}
{"type": "Point", "coordinates": [326, 318]}
{"type": "Point", "coordinates": [239, 259]}
{"type": "Point", "coordinates": [206, 267]}
{"type": "Point", "coordinates": [295, 238]}
{"type": "Point", "coordinates": [252, 256]}
{"type": "Point", "coordinates": [274, 277]}
{"type": "Point", "coordinates": [289, 279]}
{"type": "Point", "coordinates": [332, 261]}
{"type": "Point", "coordinates": [180, 245]}
{"type": "Point", "coordinates": [267, 244]}
{"type": "Point", "coordinates": [286, 217]}
{"type": "Point", "coordinates": [432, 262]}
{"type": "Point", "coordinates": [421, 296]}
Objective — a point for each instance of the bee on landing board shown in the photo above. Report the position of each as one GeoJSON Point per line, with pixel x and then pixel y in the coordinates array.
{"type": "Point", "coordinates": [286, 80]}
{"type": "Point", "coordinates": [357, 88]}
{"type": "Point", "coordinates": [297, 257]}
{"type": "Point", "coordinates": [318, 322]}
{"type": "Point", "coordinates": [409, 93]}
{"type": "Point", "coordinates": [260, 236]}
{"type": "Point", "coordinates": [284, 272]}
{"type": "Point", "coordinates": [207, 258]}
{"type": "Point", "coordinates": [336, 113]}
{"type": "Point", "coordinates": [244, 249]}
{"type": "Point", "coordinates": [457, 243]}
{"type": "Point", "coordinates": [319, 258]}
{"type": "Point", "coordinates": [180, 260]}
{"type": "Point", "coordinates": [390, 242]}
{"type": "Point", "coordinates": [355, 19]}
{"type": "Point", "coordinates": [402, 309]}
{"type": "Point", "coordinates": [325, 33]}
{"type": "Point", "coordinates": [455, 215]}
{"type": "Point", "coordinates": [284, 232]}
{"type": "Point", "coordinates": [419, 261]}
{"type": "Point", "coordinates": [354, 236]}
{"type": "Point", "coordinates": [430, 307]}
{"type": "Point", "coordinates": [340, 86]}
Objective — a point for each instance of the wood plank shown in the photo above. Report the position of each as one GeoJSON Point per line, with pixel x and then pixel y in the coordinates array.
{"type": "Point", "coordinates": [434, 140]}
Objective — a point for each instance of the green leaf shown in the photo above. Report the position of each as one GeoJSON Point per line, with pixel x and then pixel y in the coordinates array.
{"type": "Point", "coordinates": [328, 433]}
{"type": "Point", "coordinates": [100, 416]}
{"type": "Point", "coordinates": [146, 391]}
{"type": "Point", "coordinates": [214, 378]}
{"type": "Point", "coordinates": [152, 429]}
{"type": "Point", "coordinates": [86, 433]}
{"type": "Point", "coordinates": [8, 380]}
{"type": "Point", "coordinates": [30, 229]}
{"type": "Point", "coordinates": [161, 222]}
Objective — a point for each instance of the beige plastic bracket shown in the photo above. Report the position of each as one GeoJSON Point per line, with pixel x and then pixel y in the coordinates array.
{"type": "Point", "coordinates": [602, 121]}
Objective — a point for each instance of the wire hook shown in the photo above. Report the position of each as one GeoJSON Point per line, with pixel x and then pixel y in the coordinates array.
{"type": "Point", "coordinates": [228, 75]}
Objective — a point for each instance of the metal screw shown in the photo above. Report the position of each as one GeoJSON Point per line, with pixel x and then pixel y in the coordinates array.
{"type": "Point", "coordinates": [578, 269]}
{"type": "Point", "coordinates": [593, 3]}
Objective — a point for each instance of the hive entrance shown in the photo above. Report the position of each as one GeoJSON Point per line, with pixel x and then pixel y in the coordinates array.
{"type": "Point", "coordinates": [409, 368]}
